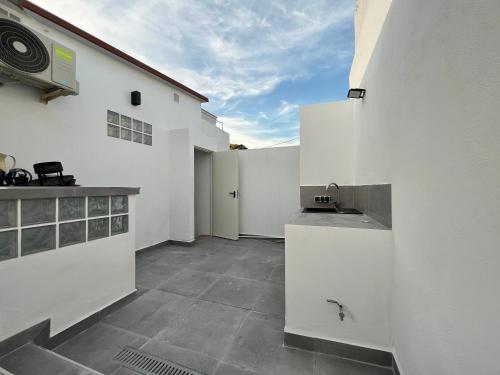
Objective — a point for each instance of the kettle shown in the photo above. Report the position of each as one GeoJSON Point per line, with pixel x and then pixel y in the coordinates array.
{"type": "Point", "coordinates": [3, 165]}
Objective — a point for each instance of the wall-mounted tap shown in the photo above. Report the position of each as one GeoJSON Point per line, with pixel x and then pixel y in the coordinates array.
{"type": "Point", "coordinates": [338, 191]}
{"type": "Point", "coordinates": [341, 308]}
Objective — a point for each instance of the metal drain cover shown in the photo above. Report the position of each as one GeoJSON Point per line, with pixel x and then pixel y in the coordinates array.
{"type": "Point", "coordinates": [147, 364]}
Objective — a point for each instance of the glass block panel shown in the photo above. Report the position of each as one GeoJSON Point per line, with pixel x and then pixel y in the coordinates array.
{"type": "Point", "coordinates": [35, 240]}
{"type": "Point", "coordinates": [126, 134]}
{"type": "Point", "coordinates": [148, 128]}
{"type": "Point", "coordinates": [71, 208]}
{"type": "Point", "coordinates": [119, 204]}
{"type": "Point", "coordinates": [38, 211]}
{"type": "Point", "coordinates": [126, 122]}
{"type": "Point", "coordinates": [119, 224]}
{"type": "Point", "coordinates": [8, 214]}
{"type": "Point", "coordinates": [71, 233]}
{"type": "Point", "coordinates": [98, 206]}
{"type": "Point", "coordinates": [148, 140]}
{"type": "Point", "coordinates": [137, 137]}
{"type": "Point", "coordinates": [8, 244]}
{"type": "Point", "coordinates": [113, 131]}
{"type": "Point", "coordinates": [113, 118]}
{"type": "Point", "coordinates": [137, 125]}
{"type": "Point", "coordinates": [98, 228]}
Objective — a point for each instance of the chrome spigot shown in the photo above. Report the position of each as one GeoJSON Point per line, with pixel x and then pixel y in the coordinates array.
{"type": "Point", "coordinates": [337, 201]}
{"type": "Point", "coordinates": [341, 308]}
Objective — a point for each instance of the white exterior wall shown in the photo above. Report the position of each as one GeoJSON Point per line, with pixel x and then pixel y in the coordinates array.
{"type": "Point", "coordinates": [353, 266]}
{"type": "Point", "coordinates": [202, 192]}
{"type": "Point", "coordinates": [326, 139]}
{"type": "Point", "coordinates": [269, 187]}
{"type": "Point", "coordinates": [68, 284]}
{"type": "Point", "coordinates": [73, 131]}
{"type": "Point", "coordinates": [429, 125]}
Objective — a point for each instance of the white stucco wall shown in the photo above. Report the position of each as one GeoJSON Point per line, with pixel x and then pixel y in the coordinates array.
{"type": "Point", "coordinates": [202, 192]}
{"type": "Point", "coordinates": [269, 188]}
{"type": "Point", "coordinates": [353, 266]}
{"type": "Point", "coordinates": [67, 284]}
{"type": "Point", "coordinates": [326, 139]}
{"type": "Point", "coordinates": [429, 125]}
{"type": "Point", "coordinates": [73, 131]}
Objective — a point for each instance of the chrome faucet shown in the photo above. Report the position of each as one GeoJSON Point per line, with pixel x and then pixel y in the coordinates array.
{"type": "Point", "coordinates": [337, 201]}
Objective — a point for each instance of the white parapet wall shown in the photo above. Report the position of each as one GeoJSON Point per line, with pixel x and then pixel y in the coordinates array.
{"type": "Point", "coordinates": [269, 189]}
{"type": "Point", "coordinates": [65, 284]}
{"type": "Point", "coordinates": [327, 144]}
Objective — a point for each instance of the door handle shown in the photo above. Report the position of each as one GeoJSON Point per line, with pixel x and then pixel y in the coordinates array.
{"type": "Point", "coordinates": [233, 193]}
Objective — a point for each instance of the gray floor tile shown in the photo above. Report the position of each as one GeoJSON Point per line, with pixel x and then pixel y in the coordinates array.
{"type": "Point", "coordinates": [259, 347]}
{"type": "Point", "coordinates": [271, 300]}
{"type": "Point", "coordinates": [330, 365]}
{"type": "Point", "coordinates": [215, 263]}
{"type": "Point", "coordinates": [124, 371]}
{"type": "Point", "coordinates": [278, 275]}
{"type": "Point", "coordinates": [150, 313]}
{"type": "Point", "coordinates": [249, 269]}
{"type": "Point", "coordinates": [189, 282]}
{"type": "Point", "coordinates": [31, 360]}
{"type": "Point", "coordinates": [234, 292]}
{"type": "Point", "coordinates": [226, 369]}
{"type": "Point", "coordinates": [207, 327]}
{"type": "Point", "coordinates": [96, 347]}
{"type": "Point", "coordinates": [185, 357]}
{"type": "Point", "coordinates": [266, 255]}
{"type": "Point", "coordinates": [180, 256]}
{"type": "Point", "coordinates": [153, 275]}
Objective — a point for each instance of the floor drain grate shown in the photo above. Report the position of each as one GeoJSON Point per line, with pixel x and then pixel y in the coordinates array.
{"type": "Point", "coordinates": [147, 364]}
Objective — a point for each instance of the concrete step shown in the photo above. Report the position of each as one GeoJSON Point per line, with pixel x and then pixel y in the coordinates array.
{"type": "Point", "coordinates": [32, 359]}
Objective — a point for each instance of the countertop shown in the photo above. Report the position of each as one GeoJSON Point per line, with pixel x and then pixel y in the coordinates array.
{"type": "Point", "coordinates": [325, 219]}
{"type": "Point", "coordinates": [33, 192]}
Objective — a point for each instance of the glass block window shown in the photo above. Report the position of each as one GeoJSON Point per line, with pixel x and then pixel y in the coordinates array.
{"type": "Point", "coordinates": [98, 206]}
{"type": "Point", "coordinates": [137, 125]}
{"type": "Point", "coordinates": [98, 228]}
{"type": "Point", "coordinates": [119, 224]}
{"type": "Point", "coordinates": [148, 128]}
{"type": "Point", "coordinates": [113, 131]}
{"type": "Point", "coordinates": [126, 134]}
{"type": "Point", "coordinates": [71, 233]}
{"type": "Point", "coordinates": [126, 122]}
{"type": "Point", "coordinates": [38, 239]}
{"type": "Point", "coordinates": [113, 118]}
{"type": "Point", "coordinates": [148, 140]}
{"type": "Point", "coordinates": [119, 204]}
{"type": "Point", "coordinates": [8, 244]}
{"type": "Point", "coordinates": [38, 211]}
{"type": "Point", "coordinates": [137, 137]}
{"type": "Point", "coordinates": [71, 208]}
{"type": "Point", "coordinates": [8, 214]}
{"type": "Point", "coordinates": [129, 129]}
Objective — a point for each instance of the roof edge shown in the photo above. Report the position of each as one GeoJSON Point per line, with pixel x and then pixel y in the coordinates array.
{"type": "Point", "coordinates": [25, 4]}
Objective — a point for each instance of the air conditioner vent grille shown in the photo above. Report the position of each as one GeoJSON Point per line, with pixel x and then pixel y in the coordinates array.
{"type": "Point", "coordinates": [22, 49]}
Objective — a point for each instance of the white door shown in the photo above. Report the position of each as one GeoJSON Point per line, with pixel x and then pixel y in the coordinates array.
{"type": "Point", "coordinates": [225, 195]}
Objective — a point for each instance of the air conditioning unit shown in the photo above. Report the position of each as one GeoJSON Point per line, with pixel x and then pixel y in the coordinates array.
{"type": "Point", "coordinates": [32, 58]}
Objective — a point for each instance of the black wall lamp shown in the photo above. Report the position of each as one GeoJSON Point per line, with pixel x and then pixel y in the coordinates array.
{"type": "Point", "coordinates": [356, 93]}
{"type": "Point", "coordinates": [135, 98]}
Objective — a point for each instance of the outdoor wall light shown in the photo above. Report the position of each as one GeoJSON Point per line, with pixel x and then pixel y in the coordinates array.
{"type": "Point", "coordinates": [135, 98]}
{"type": "Point", "coordinates": [356, 93]}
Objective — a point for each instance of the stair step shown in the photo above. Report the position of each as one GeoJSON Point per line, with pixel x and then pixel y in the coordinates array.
{"type": "Point", "coordinates": [32, 359]}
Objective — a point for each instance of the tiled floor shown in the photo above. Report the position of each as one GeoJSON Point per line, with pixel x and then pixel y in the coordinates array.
{"type": "Point", "coordinates": [216, 307]}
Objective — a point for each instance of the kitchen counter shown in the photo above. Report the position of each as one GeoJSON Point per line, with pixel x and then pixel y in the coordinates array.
{"type": "Point", "coordinates": [325, 219]}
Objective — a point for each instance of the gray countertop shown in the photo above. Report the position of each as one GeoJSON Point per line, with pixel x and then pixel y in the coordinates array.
{"type": "Point", "coordinates": [33, 192]}
{"type": "Point", "coordinates": [324, 219]}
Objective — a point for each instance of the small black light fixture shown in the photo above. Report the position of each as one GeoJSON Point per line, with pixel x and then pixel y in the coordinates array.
{"type": "Point", "coordinates": [135, 98]}
{"type": "Point", "coordinates": [356, 93]}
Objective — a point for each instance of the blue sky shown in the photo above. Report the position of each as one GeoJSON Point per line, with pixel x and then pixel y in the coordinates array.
{"type": "Point", "coordinates": [257, 60]}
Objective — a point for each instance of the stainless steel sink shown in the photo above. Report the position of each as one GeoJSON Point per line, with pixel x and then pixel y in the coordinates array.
{"type": "Point", "coordinates": [345, 211]}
